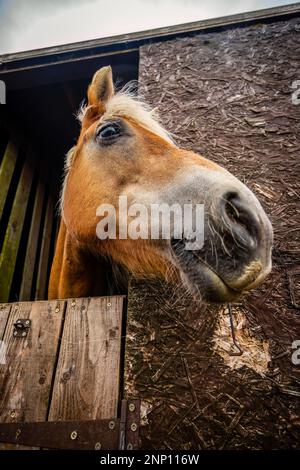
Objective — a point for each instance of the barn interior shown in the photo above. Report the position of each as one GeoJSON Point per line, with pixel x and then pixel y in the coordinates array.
{"type": "Point", "coordinates": [40, 114]}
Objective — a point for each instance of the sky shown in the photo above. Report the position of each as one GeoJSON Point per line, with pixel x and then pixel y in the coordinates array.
{"type": "Point", "coordinates": [33, 24]}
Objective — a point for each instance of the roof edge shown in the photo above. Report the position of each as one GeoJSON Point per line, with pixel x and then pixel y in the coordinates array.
{"type": "Point", "coordinates": [128, 41]}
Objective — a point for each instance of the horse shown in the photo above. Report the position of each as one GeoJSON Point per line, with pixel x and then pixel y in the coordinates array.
{"type": "Point", "coordinates": [124, 150]}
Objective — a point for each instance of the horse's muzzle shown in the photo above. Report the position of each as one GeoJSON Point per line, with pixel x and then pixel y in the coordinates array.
{"type": "Point", "coordinates": [243, 239]}
{"type": "Point", "coordinates": [238, 239]}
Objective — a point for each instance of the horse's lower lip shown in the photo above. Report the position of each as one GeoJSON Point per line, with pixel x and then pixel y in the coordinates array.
{"type": "Point", "coordinates": [211, 285]}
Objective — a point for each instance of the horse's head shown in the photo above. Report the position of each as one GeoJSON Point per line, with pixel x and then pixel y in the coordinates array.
{"type": "Point", "coordinates": [123, 150]}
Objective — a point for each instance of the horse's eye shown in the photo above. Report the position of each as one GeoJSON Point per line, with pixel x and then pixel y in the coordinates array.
{"type": "Point", "coordinates": [108, 132]}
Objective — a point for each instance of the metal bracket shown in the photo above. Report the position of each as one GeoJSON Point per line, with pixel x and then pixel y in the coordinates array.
{"type": "Point", "coordinates": [21, 327]}
{"type": "Point", "coordinates": [105, 434]}
{"type": "Point", "coordinates": [129, 424]}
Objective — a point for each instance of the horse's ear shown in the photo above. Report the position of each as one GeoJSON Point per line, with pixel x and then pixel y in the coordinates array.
{"type": "Point", "coordinates": [102, 87]}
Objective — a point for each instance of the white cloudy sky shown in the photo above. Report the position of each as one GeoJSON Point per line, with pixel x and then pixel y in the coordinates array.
{"type": "Point", "coordinates": [31, 24]}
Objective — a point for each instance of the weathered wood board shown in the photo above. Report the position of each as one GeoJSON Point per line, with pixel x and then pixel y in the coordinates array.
{"type": "Point", "coordinates": [68, 366]}
{"type": "Point", "coordinates": [87, 376]}
{"type": "Point", "coordinates": [228, 96]}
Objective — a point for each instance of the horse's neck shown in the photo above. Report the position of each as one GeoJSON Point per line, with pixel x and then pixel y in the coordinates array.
{"type": "Point", "coordinates": [75, 272]}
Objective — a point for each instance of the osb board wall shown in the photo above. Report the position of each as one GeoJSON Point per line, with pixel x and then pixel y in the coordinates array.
{"type": "Point", "coordinates": [228, 96]}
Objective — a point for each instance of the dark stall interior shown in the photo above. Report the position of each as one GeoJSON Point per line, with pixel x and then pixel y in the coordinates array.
{"type": "Point", "coordinates": [38, 126]}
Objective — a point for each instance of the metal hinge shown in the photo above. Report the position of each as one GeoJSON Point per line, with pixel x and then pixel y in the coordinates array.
{"type": "Point", "coordinates": [105, 434]}
{"type": "Point", "coordinates": [21, 328]}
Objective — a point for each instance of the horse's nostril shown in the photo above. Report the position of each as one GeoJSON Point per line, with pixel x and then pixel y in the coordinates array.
{"type": "Point", "coordinates": [238, 215]}
{"type": "Point", "coordinates": [230, 207]}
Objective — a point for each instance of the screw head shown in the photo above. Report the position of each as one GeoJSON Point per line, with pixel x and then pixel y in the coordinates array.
{"type": "Point", "coordinates": [98, 446]}
{"type": "Point", "coordinates": [27, 322]}
{"type": "Point", "coordinates": [133, 427]}
{"type": "Point", "coordinates": [73, 304]}
{"type": "Point", "coordinates": [131, 406]}
{"type": "Point", "coordinates": [108, 304]}
{"type": "Point", "coordinates": [73, 435]}
{"type": "Point", "coordinates": [57, 310]}
{"type": "Point", "coordinates": [129, 446]}
{"type": "Point", "coordinates": [111, 425]}
{"type": "Point", "coordinates": [13, 414]}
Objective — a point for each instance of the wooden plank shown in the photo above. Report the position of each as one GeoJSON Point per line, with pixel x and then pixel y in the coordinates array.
{"type": "Point", "coordinates": [25, 381]}
{"type": "Point", "coordinates": [14, 231]}
{"type": "Point", "coordinates": [88, 372]}
{"type": "Point", "coordinates": [6, 171]}
{"type": "Point", "coordinates": [42, 276]}
{"type": "Point", "coordinates": [26, 378]}
{"type": "Point", "coordinates": [4, 313]}
{"type": "Point", "coordinates": [32, 244]}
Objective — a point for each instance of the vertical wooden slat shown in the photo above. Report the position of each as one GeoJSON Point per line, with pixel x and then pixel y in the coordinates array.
{"type": "Point", "coordinates": [14, 230]}
{"type": "Point", "coordinates": [41, 283]}
{"type": "Point", "coordinates": [32, 243]}
{"type": "Point", "coordinates": [88, 372]}
{"type": "Point", "coordinates": [6, 171]}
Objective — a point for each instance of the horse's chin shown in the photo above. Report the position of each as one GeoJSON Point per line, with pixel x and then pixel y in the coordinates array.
{"type": "Point", "coordinates": [201, 279]}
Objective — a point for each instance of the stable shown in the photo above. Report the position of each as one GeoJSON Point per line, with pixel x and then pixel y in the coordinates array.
{"type": "Point", "coordinates": [144, 365]}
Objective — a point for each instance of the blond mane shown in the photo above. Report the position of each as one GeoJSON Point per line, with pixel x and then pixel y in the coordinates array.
{"type": "Point", "coordinates": [127, 105]}
{"type": "Point", "coordinates": [123, 104]}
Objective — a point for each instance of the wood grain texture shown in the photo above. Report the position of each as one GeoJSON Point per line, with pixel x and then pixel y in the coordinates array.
{"type": "Point", "coordinates": [88, 372]}
{"type": "Point", "coordinates": [6, 171]}
{"type": "Point", "coordinates": [42, 276]}
{"type": "Point", "coordinates": [14, 230]}
{"type": "Point", "coordinates": [32, 243]}
{"type": "Point", "coordinates": [25, 379]}
{"type": "Point", "coordinates": [4, 313]}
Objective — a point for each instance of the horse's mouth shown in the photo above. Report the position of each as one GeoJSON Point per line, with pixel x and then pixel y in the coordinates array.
{"type": "Point", "coordinates": [200, 277]}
